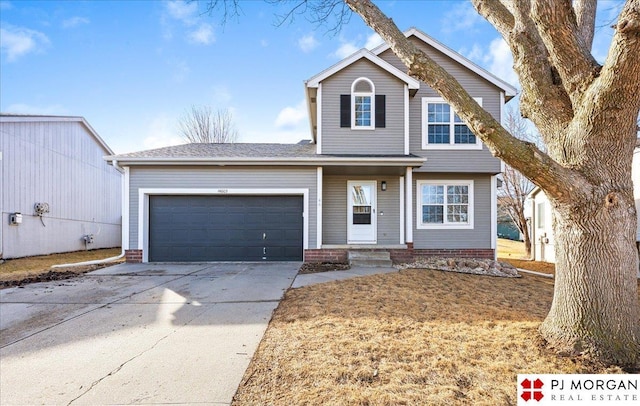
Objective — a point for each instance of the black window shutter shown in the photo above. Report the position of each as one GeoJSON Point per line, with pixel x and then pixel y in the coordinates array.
{"type": "Point", "coordinates": [345, 110]}
{"type": "Point", "coordinates": [381, 111]}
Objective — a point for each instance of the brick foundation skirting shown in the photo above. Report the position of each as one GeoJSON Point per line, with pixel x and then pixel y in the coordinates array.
{"type": "Point", "coordinates": [133, 256]}
{"type": "Point", "coordinates": [326, 255]}
{"type": "Point", "coordinates": [398, 255]}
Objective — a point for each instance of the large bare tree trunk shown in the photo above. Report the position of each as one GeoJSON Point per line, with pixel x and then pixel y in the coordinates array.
{"type": "Point", "coordinates": [595, 306]}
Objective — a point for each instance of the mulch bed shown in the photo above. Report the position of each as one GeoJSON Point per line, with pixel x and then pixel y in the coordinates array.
{"type": "Point", "coordinates": [308, 267]}
{"type": "Point", "coordinates": [54, 275]}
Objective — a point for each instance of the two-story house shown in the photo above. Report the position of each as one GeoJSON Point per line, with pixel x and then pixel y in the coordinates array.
{"type": "Point", "coordinates": [390, 167]}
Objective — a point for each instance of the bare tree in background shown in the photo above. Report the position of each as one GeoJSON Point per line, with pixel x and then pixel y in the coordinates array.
{"type": "Point", "coordinates": [586, 114]}
{"type": "Point", "coordinates": [203, 124]}
{"type": "Point", "coordinates": [515, 186]}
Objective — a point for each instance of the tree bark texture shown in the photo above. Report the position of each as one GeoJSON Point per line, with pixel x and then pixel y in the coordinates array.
{"type": "Point", "coordinates": [586, 115]}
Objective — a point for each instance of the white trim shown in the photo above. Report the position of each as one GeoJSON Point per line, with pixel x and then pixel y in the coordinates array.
{"type": "Point", "coordinates": [406, 120]}
{"type": "Point", "coordinates": [363, 53]}
{"type": "Point", "coordinates": [494, 215]}
{"type": "Point", "coordinates": [143, 207]}
{"type": "Point", "coordinates": [125, 207]}
{"type": "Point", "coordinates": [319, 208]}
{"type": "Point", "coordinates": [451, 145]}
{"type": "Point", "coordinates": [319, 120]}
{"type": "Point", "coordinates": [402, 205]}
{"type": "Point", "coordinates": [372, 100]}
{"type": "Point", "coordinates": [409, 205]}
{"type": "Point", "coordinates": [374, 214]}
{"type": "Point", "coordinates": [506, 87]}
{"type": "Point", "coordinates": [469, 225]}
{"type": "Point", "coordinates": [269, 161]}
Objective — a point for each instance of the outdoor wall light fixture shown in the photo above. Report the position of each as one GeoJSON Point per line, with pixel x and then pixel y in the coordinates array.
{"type": "Point", "coordinates": [383, 185]}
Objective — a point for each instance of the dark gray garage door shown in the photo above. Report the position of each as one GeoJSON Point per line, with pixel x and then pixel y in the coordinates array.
{"type": "Point", "coordinates": [225, 228]}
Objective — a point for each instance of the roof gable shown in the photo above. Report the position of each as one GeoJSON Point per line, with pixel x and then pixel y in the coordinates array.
{"type": "Point", "coordinates": [509, 90]}
{"type": "Point", "coordinates": [412, 83]}
{"type": "Point", "coordinates": [26, 118]}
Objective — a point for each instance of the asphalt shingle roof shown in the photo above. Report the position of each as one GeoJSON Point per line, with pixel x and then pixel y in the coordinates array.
{"type": "Point", "coordinates": [236, 150]}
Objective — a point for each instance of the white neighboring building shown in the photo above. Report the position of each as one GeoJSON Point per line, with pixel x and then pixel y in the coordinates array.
{"type": "Point", "coordinates": [539, 214]}
{"type": "Point", "coordinates": [57, 193]}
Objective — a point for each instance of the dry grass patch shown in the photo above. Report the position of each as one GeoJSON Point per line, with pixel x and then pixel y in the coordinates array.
{"type": "Point", "coordinates": [514, 253]}
{"type": "Point", "coordinates": [407, 338]}
{"type": "Point", "coordinates": [510, 249]}
{"type": "Point", "coordinates": [19, 269]}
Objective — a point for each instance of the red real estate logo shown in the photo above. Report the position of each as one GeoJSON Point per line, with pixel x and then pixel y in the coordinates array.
{"type": "Point", "coordinates": [532, 390]}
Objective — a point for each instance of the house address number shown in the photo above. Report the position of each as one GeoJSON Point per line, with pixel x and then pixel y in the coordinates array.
{"type": "Point", "coordinates": [223, 191]}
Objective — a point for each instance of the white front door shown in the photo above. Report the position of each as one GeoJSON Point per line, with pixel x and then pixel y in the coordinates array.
{"type": "Point", "coordinates": [361, 212]}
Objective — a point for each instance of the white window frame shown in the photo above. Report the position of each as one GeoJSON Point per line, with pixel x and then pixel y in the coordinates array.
{"type": "Point", "coordinates": [445, 225]}
{"type": "Point", "coordinates": [425, 127]}
{"type": "Point", "coordinates": [355, 94]}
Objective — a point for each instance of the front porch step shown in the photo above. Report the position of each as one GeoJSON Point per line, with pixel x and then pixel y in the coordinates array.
{"type": "Point", "coordinates": [369, 259]}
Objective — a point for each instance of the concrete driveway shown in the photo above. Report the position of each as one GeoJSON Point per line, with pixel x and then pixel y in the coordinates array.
{"type": "Point", "coordinates": [137, 333]}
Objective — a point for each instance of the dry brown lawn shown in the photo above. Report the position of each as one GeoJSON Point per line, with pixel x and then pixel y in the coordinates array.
{"type": "Point", "coordinates": [416, 337]}
{"type": "Point", "coordinates": [513, 252]}
{"type": "Point", "coordinates": [34, 267]}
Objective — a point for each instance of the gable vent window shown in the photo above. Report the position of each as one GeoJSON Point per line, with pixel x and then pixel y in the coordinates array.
{"type": "Point", "coordinates": [362, 109]}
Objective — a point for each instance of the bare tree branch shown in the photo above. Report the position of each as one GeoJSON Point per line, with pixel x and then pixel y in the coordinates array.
{"type": "Point", "coordinates": [201, 124]}
{"type": "Point", "coordinates": [568, 53]}
{"type": "Point", "coordinates": [540, 87]}
{"type": "Point", "coordinates": [558, 181]}
{"type": "Point", "coordinates": [585, 11]}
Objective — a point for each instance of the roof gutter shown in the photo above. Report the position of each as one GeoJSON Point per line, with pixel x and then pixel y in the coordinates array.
{"type": "Point", "coordinates": [332, 161]}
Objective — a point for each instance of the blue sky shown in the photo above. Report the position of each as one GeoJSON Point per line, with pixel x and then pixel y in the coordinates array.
{"type": "Point", "coordinates": [132, 68]}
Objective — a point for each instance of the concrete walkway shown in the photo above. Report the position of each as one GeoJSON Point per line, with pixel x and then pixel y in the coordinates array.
{"type": "Point", "coordinates": [137, 334]}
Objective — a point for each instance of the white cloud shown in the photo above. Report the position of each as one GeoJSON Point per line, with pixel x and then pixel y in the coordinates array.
{"type": "Point", "coordinates": [74, 22]}
{"type": "Point", "coordinates": [264, 43]}
{"type": "Point", "coordinates": [462, 17]}
{"type": "Point", "coordinates": [500, 61]}
{"type": "Point", "coordinates": [346, 49]}
{"type": "Point", "coordinates": [5, 5]}
{"type": "Point", "coordinates": [19, 41]}
{"type": "Point", "coordinates": [373, 41]}
{"type": "Point", "coordinates": [180, 70]}
{"type": "Point", "coordinates": [183, 11]}
{"type": "Point", "coordinates": [161, 133]}
{"type": "Point", "coordinates": [308, 43]}
{"type": "Point", "coordinates": [202, 35]}
{"type": "Point", "coordinates": [51, 110]}
{"type": "Point", "coordinates": [291, 117]}
{"type": "Point", "coordinates": [476, 53]}
{"type": "Point", "coordinates": [198, 32]}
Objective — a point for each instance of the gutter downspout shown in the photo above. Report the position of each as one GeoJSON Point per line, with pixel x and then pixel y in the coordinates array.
{"type": "Point", "coordinates": [106, 260]}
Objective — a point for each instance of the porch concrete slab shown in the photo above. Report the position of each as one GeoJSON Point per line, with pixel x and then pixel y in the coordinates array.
{"type": "Point", "coordinates": [323, 277]}
{"type": "Point", "coordinates": [119, 349]}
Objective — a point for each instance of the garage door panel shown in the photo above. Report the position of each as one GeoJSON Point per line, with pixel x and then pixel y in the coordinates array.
{"type": "Point", "coordinates": [225, 228]}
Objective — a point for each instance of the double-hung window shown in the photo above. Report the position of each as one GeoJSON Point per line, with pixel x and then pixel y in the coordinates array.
{"type": "Point", "coordinates": [445, 204]}
{"type": "Point", "coordinates": [443, 129]}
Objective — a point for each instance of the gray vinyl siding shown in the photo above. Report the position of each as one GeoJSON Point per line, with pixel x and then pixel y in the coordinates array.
{"type": "Point", "coordinates": [478, 237]}
{"type": "Point", "coordinates": [214, 177]}
{"type": "Point", "coordinates": [470, 161]}
{"type": "Point", "coordinates": [59, 163]}
{"type": "Point", "coordinates": [388, 140]}
{"type": "Point", "coordinates": [334, 213]}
